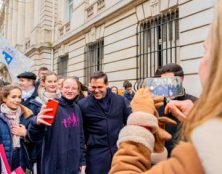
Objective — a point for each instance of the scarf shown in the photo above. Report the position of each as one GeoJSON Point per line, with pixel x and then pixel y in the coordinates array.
{"type": "Point", "coordinates": [27, 94]}
{"type": "Point", "coordinates": [45, 96]}
{"type": "Point", "coordinates": [12, 117]}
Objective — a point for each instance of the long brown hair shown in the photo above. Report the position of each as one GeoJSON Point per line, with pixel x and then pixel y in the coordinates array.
{"type": "Point", "coordinates": [210, 103]}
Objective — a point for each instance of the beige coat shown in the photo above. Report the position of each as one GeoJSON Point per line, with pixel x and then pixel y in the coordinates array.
{"type": "Point", "coordinates": [134, 158]}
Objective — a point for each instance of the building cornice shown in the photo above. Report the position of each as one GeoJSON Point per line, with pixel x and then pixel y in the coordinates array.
{"type": "Point", "coordinates": [37, 48]}
{"type": "Point", "coordinates": [112, 12]}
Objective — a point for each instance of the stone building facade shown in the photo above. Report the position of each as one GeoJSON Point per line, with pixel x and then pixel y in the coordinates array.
{"type": "Point", "coordinates": [128, 39]}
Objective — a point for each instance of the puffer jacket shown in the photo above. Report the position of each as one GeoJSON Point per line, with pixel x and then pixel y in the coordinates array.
{"type": "Point", "coordinates": [6, 137]}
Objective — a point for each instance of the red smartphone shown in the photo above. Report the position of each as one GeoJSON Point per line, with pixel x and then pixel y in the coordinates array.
{"type": "Point", "coordinates": [54, 105]}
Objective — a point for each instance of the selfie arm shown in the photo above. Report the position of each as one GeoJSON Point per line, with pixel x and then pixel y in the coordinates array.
{"type": "Point", "coordinates": [35, 132]}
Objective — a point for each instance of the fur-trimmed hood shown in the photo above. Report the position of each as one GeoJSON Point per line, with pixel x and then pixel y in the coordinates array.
{"type": "Point", "coordinates": [26, 112]}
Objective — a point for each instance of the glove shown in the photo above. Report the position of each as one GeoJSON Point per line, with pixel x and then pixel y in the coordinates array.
{"type": "Point", "coordinates": [142, 125]}
{"type": "Point", "coordinates": [144, 111]}
{"type": "Point", "coordinates": [161, 136]}
{"type": "Point", "coordinates": [143, 102]}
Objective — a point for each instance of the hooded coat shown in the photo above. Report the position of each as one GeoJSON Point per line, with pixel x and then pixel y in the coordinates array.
{"type": "Point", "coordinates": [63, 142]}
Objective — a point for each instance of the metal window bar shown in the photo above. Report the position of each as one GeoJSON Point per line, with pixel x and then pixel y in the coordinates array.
{"type": "Point", "coordinates": [94, 54]}
{"type": "Point", "coordinates": [157, 43]}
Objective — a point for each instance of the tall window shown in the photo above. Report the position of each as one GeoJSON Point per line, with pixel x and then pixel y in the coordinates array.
{"type": "Point", "coordinates": [62, 66]}
{"type": "Point", "coordinates": [158, 43]}
{"type": "Point", "coordinates": [69, 9]}
{"type": "Point", "coordinates": [94, 53]}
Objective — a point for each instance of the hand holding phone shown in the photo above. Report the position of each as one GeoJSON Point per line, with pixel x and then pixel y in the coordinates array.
{"type": "Point", "coordinates": [48, 112]}
{"type": "Point", "coordinates": [51, 104]}
{"type": "Point", "coordinates": [169, 87]}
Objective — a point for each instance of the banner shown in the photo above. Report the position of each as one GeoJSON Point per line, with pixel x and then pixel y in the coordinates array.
{"type": "Point", "coordinates": [15, 61]}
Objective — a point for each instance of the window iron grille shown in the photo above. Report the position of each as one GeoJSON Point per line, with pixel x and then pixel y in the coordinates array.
{"type": "Point", "coordinates": [94, 54]}
{"type": "Point", "coordinates": [157, 43]}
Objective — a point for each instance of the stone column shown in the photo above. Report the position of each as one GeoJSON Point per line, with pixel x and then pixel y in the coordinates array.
{"type": "Point", "coordinates": [10, 13]}
{"type": "Point", "coordinates": [29, 17]}
{"type": "Point", "coordinates": [21, 22]}
{"type": "Point", "coordinates": [5, 20]}
{"type": "Point", "coordinates": [36, 14]}
{"type": "Point", "coordinates": [14, 21]}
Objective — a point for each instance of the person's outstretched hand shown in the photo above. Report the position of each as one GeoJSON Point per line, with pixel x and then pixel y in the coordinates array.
{"type": "Point", "coordinates": [179, 109]}
{"type": "Point", "coordinates": [42, 116]}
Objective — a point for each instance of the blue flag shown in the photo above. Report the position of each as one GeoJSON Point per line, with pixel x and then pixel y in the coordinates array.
{"type": "Point", "coordinates": [7, 57]}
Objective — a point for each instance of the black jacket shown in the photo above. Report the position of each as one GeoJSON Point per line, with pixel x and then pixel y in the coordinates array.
{"type": "Point", "coordinates": [103, 121]}
{"type": "Point", "coordinates": [6, 140]}
{"type": "Point", "coordinates": [175, 131]}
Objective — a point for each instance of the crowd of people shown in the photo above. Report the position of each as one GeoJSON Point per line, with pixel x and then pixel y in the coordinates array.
{"type": "Point", "coordinates": [97, 130]}
{"type": "Point", "coordinates": [84, 132]}
{"type": "Point", "coordinates": [87, 123]}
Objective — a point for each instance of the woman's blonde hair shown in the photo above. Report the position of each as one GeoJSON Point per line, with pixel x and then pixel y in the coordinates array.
{"type": "Point", "coordinates": [210, 103]}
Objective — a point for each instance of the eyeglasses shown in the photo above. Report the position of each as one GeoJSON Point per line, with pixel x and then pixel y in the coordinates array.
{"type": "Point", "coordinates": [71, 88]}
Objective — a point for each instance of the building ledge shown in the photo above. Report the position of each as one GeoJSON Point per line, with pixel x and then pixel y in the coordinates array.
{"type": "Point", "coordinates": [119, 8]}
{"type": "Point", "coordinates": [38, 48]}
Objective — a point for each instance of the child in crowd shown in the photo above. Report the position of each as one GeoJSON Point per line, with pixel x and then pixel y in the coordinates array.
{"type": "Point", "coordinates": [49, 89]}
{"type": "Point", "coordinates": [13, 121]}
{"type": "Point", "coordinates": [63, 141]}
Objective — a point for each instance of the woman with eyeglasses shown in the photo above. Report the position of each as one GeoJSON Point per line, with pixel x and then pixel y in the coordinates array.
{"type": "Point", "coordinates": [63, 148]}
